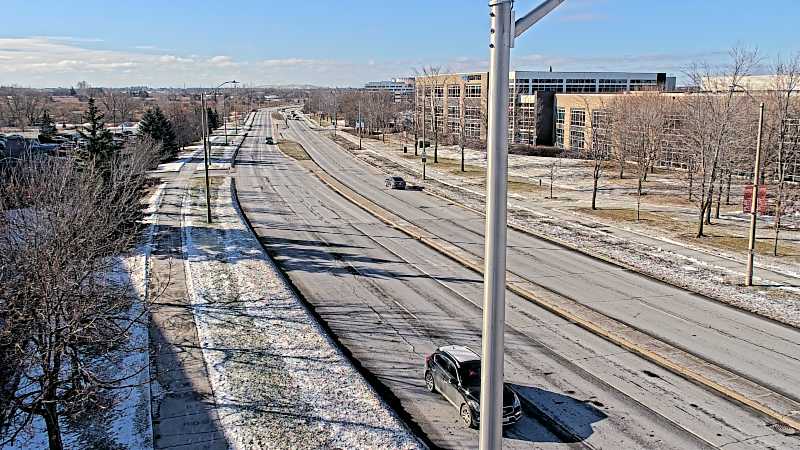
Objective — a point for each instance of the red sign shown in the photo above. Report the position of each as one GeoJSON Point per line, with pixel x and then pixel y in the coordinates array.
{"type": "Point", "coordinates": [747, 199]}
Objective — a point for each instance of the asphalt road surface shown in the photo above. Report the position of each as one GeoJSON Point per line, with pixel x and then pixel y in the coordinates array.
{"type": "Point", "coordinates": [390, 301]}
{"type": "Point", "coordinates": [757, 348]}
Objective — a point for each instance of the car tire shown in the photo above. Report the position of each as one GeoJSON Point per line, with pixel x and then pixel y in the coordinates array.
{"type": "Point", "coordinates": [430, 384]}
{"type": "Point", "coordinates": [466, 416]}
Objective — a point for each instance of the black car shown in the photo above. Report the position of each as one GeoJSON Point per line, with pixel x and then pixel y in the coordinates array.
{"type": "Point", "coordinates": [395, 183]}
{"type": "Point", "coordinates": [269, 141]}
{"type": "Point", "coordinates": [455, 371]}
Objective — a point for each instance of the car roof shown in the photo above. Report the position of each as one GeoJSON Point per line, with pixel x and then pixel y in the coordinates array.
{"type": "Point", "coordinates": [460, 353]}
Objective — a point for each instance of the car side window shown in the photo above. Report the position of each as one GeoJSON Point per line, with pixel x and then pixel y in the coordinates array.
{"type": "Point", "coordinates": [447, 366]}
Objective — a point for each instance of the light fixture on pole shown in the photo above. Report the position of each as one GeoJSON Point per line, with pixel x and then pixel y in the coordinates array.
{"type": "Point", "coordinates": [503, 31]}
{"type": "Point", "coordinates": [225, 119]}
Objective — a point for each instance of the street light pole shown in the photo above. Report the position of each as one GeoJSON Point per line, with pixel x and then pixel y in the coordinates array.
{"type": "Point", "coordinates": [502, 34]}
{"type": "Point", "coordinates": [334, 112]}
{"type": "Point", "coordinates": [204, 123]}
{"type": "Point", "coordinates": [754, 200]}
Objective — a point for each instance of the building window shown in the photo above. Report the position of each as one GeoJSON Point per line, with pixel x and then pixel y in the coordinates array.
{"type": "Point", "coordinates": [560, 138]}
{"type": "Point", "coordinates": [643, 85]}
{"type": "Point", "coordinates": [453, 112]}
{"type": "Point", "coordinates": [560, 114]}
{"type": "Point", "coordinates": [473, 78]}
{"type": "Point", "coordinates": [438, 91]}
{"type": "Point", "coordinates": [580, 85]}
{"type": "Point", "coordinates": [454, 90]}
{"type": "Point", "coordinates": [547, 84]}
{"type": "Point", "coordinates": [473, 91]}
{"type": "Point", "coordinates": [472, 130]}
{"type": "Point", "coordinates": [454, 126]}
{"type": "Point", "coordinates": [577, 117]}
{"type": "Point", "coordinates": [577, 121]}
{"type": "Point", "coordinates": [473, 113]}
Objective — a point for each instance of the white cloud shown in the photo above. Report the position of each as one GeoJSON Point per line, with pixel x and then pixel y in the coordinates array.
{"type": "Point", "coordinates": [47, 61]}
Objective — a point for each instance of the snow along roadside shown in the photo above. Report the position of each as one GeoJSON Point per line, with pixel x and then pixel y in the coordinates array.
{"type": "Point", "coordinates": [278, 380]}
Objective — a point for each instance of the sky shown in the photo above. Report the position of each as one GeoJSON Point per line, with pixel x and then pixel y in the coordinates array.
{"type": "Point", "coordinates": [175, 43]}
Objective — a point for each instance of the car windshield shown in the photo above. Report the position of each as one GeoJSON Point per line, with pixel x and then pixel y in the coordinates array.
{"type": "Point", "coordinates": [470, 373]}
{"type": "Point", "coordinates": [397, 179]}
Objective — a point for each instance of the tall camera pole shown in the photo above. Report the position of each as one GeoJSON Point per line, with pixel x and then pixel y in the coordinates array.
{"type": "Point", "coordinates": [502, 34]}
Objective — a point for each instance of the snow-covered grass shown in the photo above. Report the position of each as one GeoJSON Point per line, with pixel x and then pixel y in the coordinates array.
{"type": "Point", "coordinates": [278, 380]}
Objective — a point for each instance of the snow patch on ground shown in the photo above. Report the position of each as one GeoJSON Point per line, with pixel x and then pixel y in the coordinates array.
{"type": "Point", "coordinates": [278, 380]}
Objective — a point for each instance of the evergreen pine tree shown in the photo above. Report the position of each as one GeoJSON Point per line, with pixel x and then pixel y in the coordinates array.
{"type": "Point", "coordinates": [47, 128]}
{"type": "Point", "coordinates": [72, 92]}
{"type": "Point", "coordinates": [213, 119]}
{"type": "Point", "coordinates": [100, 145]}
{"type": "Point", "coordinates": [155, 125]}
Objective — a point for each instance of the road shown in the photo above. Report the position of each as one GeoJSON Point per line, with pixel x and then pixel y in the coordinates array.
{"type": "Point", "coordinates": [752, 346]}
{"type": "Point", "coordinates": [390, 300]}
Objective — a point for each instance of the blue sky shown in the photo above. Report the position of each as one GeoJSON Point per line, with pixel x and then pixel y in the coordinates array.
{"type": "Point", "coordinates": [348, 42]}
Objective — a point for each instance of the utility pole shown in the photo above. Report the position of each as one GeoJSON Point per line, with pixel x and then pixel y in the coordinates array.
{"type": "Point", "coordinates": [359, 124]}
{"type": "Point", "coordinates": [501, 38]}
{"type": "Point", "coordinates": [204, 123]}
{"type": "Point", "coordinates": [334, 112]}
{"type": "Point", "coordinates": [754, 200]}
{"type": "Point", "coordinates": [235, 117]}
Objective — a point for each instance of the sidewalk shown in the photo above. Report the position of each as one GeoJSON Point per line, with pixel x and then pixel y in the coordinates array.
{"type": "Point", "coordinates": [715, 274]}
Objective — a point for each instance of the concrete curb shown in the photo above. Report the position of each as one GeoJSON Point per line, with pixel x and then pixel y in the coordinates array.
{"type": "Point", "coordinates": [726, 383]}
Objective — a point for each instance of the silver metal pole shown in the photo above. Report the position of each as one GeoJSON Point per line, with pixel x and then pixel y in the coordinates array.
{"type": "Point", "coordinates": [502, 34]}
{"type": "Point", "coordinates": [491, 415]}
{"type": "Point", "coordinates": [754, 200]}
{"type": "Point", "coordinates": [206, 151]}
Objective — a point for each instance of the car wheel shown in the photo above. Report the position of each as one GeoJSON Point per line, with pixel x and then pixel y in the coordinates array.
{"type": "Point", "coordinates": [429, 383]}
{"type": "Point", "coordinates": [466, 416]}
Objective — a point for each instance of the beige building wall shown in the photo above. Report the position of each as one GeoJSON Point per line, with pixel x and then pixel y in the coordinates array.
{"type": "Point", "coordinates": [457, 99]}
{"type": "Point", "coordinates": [570, 132]}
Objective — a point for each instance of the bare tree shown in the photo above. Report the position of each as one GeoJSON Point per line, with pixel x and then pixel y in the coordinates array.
{"type": "Point", "coordinates": [785, 126]}
{"type": "Point", "coordinates": [24, 106]}
{"type": "Point", "coordinates": [64, 318]}
{"type": "Point", "coordinates": [599, 148]}
{"type": "Point", "coordinates": [640, 126]}
{"type": "Point", "coordinates": [716, 120]}
{"type": "Point", "coordinates": [552, 173]}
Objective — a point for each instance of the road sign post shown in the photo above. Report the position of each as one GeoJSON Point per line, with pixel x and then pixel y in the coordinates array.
{"type": "Point", "coordinates": [501, 39]}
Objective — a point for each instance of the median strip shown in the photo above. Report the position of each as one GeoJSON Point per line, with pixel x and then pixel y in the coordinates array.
{"type": "Point", "coordinates": [726, 383]}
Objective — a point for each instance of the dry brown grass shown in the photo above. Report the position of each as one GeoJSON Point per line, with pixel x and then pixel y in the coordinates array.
{"type": "Point", "coordinates": [294, 150]}
{"type": "Point", "coordinates": [277, 116]}
{"type": "Point", "coordinates": [622, 214]}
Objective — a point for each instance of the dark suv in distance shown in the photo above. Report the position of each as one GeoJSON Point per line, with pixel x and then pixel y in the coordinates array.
{"type": "Point", "coordinates": [455, 371]}
{"type": "Point", "coordinates": [395, 183]}
{"type": "Point", "coordinates": [269, 140]}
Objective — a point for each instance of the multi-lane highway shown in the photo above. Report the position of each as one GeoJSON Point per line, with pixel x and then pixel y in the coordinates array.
{"type": "Point", "coordinates": [390, 300]}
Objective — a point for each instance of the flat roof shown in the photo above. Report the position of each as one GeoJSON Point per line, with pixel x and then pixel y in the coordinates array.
{"type": "Point", "coordinates": [460, 353]}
